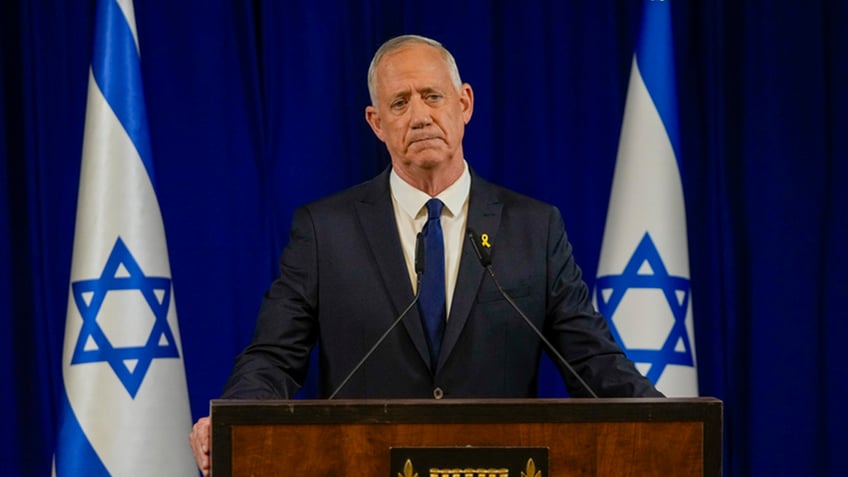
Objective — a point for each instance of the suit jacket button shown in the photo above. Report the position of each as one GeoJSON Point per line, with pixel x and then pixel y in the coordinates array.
{"type": "Point", "coordinates": [438, 393]}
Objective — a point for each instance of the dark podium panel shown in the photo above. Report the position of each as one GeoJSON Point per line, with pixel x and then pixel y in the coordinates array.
{"type": "Point", "coordinates": [584, 437]}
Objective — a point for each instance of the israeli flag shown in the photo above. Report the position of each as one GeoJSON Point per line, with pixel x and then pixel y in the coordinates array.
{"type": "Point", "coordinates": [125, 408]}
{"type": "Point", "coordinates": [643, 285]}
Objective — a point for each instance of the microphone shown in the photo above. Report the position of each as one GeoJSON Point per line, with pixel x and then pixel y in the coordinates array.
{"type": "Point", "coordinates": [486, 262]}
{"type": "Point", "coordinates": [419, 271]}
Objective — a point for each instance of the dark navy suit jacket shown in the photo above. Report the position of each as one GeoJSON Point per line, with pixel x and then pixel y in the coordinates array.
{"type": "Point", "coordinates": [343, 280]}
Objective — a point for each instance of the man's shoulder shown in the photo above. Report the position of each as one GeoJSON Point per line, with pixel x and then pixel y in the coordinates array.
{"type": "Point", "coordinates": [491, 191]}
{"type": "Point", "coordinates": [369, 190]}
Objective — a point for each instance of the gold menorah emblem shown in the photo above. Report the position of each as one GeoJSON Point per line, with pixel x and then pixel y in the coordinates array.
{"type": "Point", "coordinates": [529, 471]}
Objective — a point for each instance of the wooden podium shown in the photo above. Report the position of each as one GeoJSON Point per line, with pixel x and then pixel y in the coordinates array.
{"type": "Point", "coordinates": [582, 437]}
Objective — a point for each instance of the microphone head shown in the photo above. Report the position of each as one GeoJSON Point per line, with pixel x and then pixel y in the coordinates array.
{"type": "Point", "coordinates": [419, 254]}
{"type": "Point", "coordinates": [477, 245]}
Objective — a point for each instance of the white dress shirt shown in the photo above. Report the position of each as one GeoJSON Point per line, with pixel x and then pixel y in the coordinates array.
{"type": "Point", "coordinates": [411, 215]}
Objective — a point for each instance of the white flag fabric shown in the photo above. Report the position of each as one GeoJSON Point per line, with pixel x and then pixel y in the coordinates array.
{"type": "Point", "coordinates": [643, 282]}
{"type": "Point", "coordinates": [125, 408]}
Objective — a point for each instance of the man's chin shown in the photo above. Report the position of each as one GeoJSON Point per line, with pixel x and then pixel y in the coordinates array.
{"type": "Point", "coordinates": [431, 144]}
{"type": "Point", "coordinates": [422, 155]}
{"type": "Point", "coordinates": [429, 161]}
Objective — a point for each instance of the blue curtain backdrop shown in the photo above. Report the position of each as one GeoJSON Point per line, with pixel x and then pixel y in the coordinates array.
{"type": "Point", "coordinates": [257, 107]}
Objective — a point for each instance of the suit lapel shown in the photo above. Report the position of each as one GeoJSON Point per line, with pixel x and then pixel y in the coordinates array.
{"type": "Point", "coordinates": [484, 216]}
{"type": "Point", "coordinates": [377, 216]}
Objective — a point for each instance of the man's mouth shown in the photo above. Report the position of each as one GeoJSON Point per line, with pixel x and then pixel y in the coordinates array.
{"type": "Point", "coordinates": [423, 139]}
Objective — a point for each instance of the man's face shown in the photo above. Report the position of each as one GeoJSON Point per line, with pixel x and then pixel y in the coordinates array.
{"type": "Point", "coordinates": [419, 114]}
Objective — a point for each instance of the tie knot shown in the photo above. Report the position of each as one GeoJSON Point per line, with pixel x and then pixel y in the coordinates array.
{"type": "Point", "coordinates": [434, 209]}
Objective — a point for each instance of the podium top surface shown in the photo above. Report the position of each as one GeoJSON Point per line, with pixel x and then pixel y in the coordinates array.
{"type": "Point", "coordinates": [466, 410]}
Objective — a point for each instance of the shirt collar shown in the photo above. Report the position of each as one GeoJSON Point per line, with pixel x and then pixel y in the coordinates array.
{"type": "Point", "coordinates": [412, 200]}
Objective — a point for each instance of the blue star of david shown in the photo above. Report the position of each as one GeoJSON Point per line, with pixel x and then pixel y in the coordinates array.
{"type": "Point", "coordinates": [630, 278]}
{"type": "Point", "coordinates": [94, 346]}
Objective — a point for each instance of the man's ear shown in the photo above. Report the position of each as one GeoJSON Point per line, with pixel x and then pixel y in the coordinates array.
{"type": "Point", "coordinates": [372, 117]}
{"type": "Point", "coordinates": [466, 98]}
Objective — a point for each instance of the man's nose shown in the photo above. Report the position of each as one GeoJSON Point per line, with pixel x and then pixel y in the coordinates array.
{"type": "Point", "coordinates": [419, 113]}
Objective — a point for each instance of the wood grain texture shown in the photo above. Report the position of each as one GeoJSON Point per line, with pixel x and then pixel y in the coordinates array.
{"type": "Point", "coordinates": [584, 438]}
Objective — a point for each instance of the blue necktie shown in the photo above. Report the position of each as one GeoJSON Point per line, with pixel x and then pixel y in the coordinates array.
{"type": "Point", "coordinates": [431, 301]}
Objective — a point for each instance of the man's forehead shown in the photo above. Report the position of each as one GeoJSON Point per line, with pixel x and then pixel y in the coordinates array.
{"type": "Point", "coordinates": [406, 90]}
{"type": "Point", "coordinates": [412, 75]}
{"type": "Point", "coordinates": [425, 58]}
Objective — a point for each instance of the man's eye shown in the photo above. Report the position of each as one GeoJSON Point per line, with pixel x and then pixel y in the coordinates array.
{"type": "Point", "coordinates": [398, 104]}
{"type": "Point", "coordinates": [434, 97]}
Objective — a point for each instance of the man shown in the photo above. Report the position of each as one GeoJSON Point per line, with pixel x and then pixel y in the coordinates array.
{"type": "Point", "coordinates": [348, 270]}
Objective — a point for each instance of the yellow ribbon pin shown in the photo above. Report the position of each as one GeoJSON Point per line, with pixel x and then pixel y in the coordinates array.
{"type": "Point", "coordinates": [484, 239]}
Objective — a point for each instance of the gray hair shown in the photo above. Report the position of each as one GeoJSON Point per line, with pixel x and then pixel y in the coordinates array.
{"type": "Point", "coordinates": [400, 41]}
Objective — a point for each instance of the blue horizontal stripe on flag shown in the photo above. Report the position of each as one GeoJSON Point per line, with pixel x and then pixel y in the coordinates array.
{"type": "Point", "coordinates": [655, 57]}
{"type": "Point", "coordinates": [75, 457]}
{"type": "Point", "coordinates": [116, 67]}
